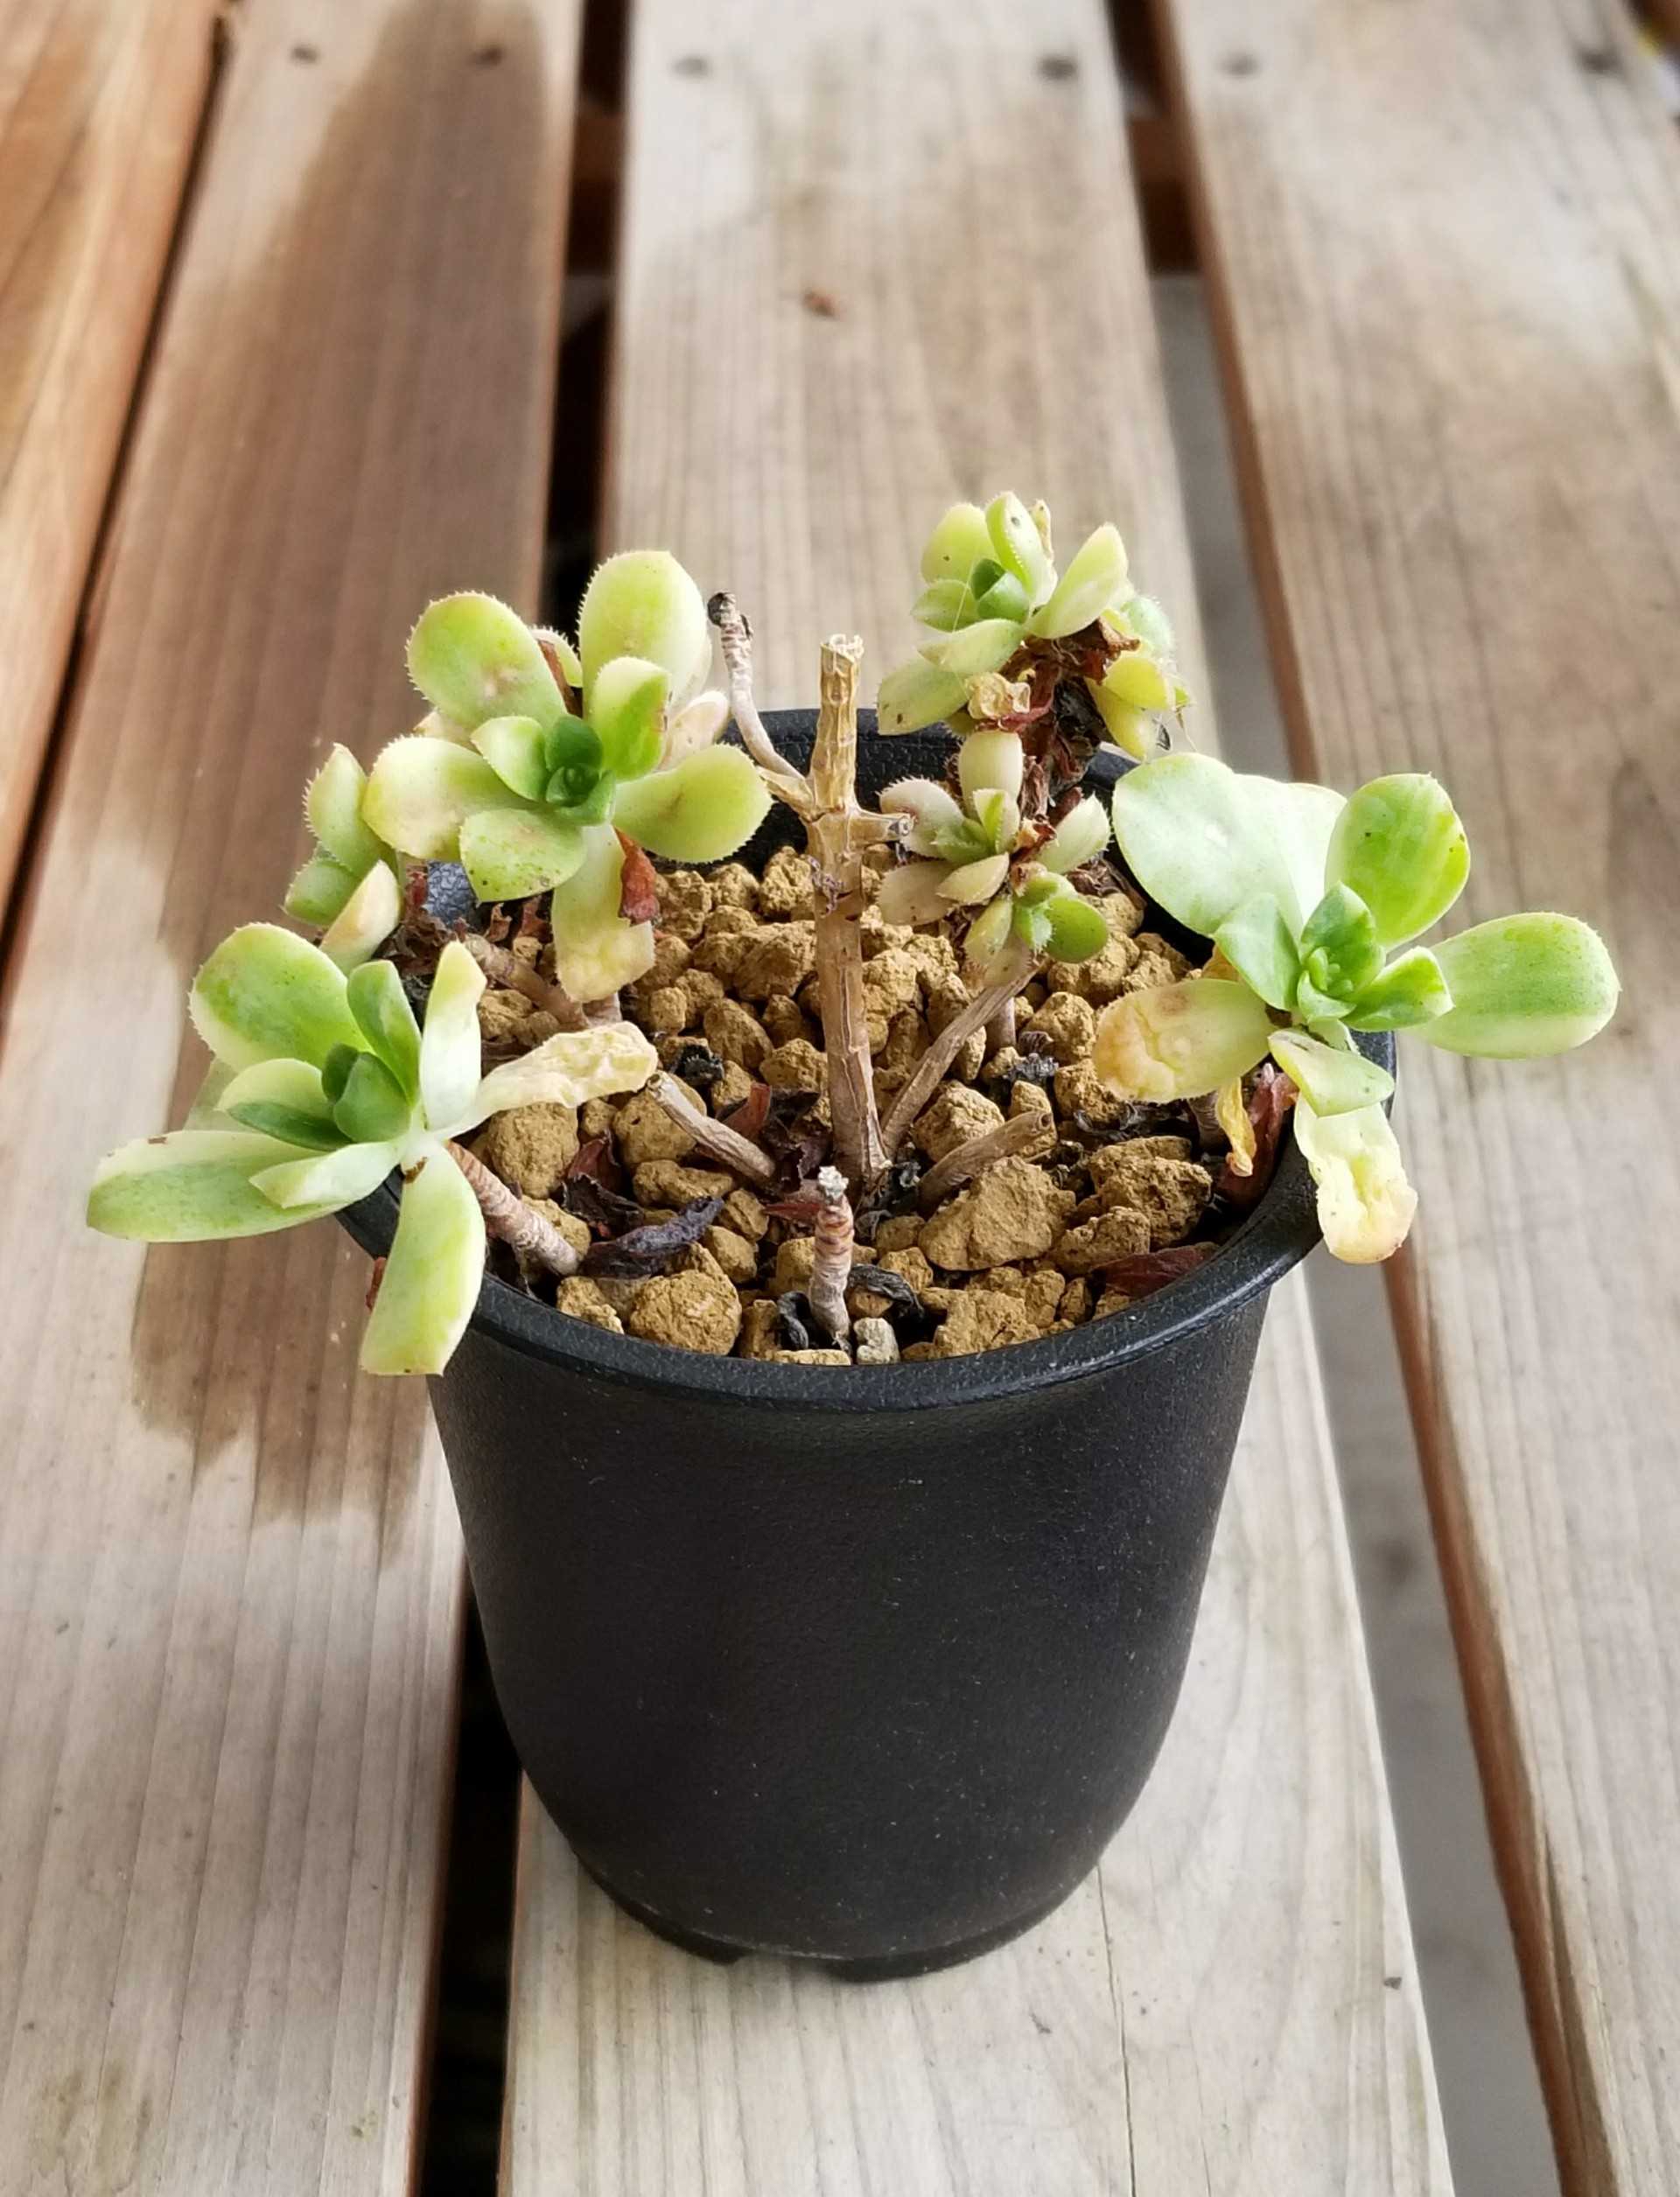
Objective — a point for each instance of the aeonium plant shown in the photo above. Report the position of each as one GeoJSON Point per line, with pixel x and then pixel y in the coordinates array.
{"type": "Point", "coordinates": [1306, 898]}
{"type": "Point", "coordinates": [539, 763]}
{"type": "Point", "coordinates": [1008, 630]}
{"type": "Point", "coordinates": [973, 855]}
{"type": "Point", "coordinates": [324, 1086]}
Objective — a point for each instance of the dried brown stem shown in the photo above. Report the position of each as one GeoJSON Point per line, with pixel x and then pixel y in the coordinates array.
{"type": "Point", "coordinates": [1015, 966]}
{"type": "Point", "coordinates": [1000, 1031]}
{"type": "Point", "coordinates": [836, 893]}
{"type": "Point", "coordinates": [736, 636]}
{"type": "Point", "coordinates": [727, 1146]}
{"type": "Point", "coordinates": [528, 1235]}
{"type": "Point", "coordinates": [597, 1012]}
{"type": "Point", "coordinates": [1030, 1135]}
{"type": "Point", "coordinates": [834, 1241]}
{"type": "Point", "coordinates": [503, 968]}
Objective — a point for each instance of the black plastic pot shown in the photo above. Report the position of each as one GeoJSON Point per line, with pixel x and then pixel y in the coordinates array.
{"type": "Point", "coordinates": [868, 1666]}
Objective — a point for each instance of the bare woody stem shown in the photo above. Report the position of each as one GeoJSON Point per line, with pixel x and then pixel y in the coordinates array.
{"type": "Point", "coordinates": [736, 637]}
{"type": "Point", "coordinates": [1014, 966]}
{"type": "Point", "coordinates": [1000, 1031]}
{"type": "Point", "coordinates": [503, 968]}
{"type": "Point", "coordinates": [1030, 1135]}
{"type": "Point", "coordinates": [528, 1235]}
{"type": "Point", "coordinates": [834, 1241]}
{"type": "Point", "coordinates": [716, 1139]}
{"type": "Point", "coordinates": [837, 903]}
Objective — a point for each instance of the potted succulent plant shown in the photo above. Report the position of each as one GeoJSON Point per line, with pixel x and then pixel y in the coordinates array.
{"type": "Point", "coordinates": [839, 1268]}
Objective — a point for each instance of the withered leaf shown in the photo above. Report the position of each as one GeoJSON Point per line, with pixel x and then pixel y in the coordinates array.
{"type": "Point", "coordinates": [1270, 1098]}
{"type": "Point", "coordinates": [883, 1282]}
{"type": "Point", "coordinates": [650, 1249]}
{"type": "Point", "coordinates": [748, 1119]}
{"type": "Point", "coordinates": [638, 885]}
{"type": "Point", "coordinates": [1146, 1272]}
{"type": "Point", "coordinates": [793, 1314]}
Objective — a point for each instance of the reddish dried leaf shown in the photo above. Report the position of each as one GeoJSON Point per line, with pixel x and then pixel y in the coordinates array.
{"type": "Point", "coordinates": [1146, 1272]}
{"type": "Point", "coordinates": [374, 1280]}
{"type": "Point", "coordinates": [1271, 1096]}
{"type": "Point", "coordinates": [749, 1117]}
{"type": "Point", "coordinates": [638, 885]}
{"type": "Point", "coordinates": [804, 1205]}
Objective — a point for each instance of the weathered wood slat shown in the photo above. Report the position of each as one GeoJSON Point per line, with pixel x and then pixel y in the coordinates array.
{"type": "Point", "coordinates": [98, 110]}
{"type": "Point", "coordinates": [834, 318]}
{"type": "Point", "coordinates": [230, 1578]}
{"type": "Point", "coordinates": [1446, 246]}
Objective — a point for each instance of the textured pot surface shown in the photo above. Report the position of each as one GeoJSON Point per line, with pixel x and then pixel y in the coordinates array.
{"type": "Point", "coordinates": [868, 1685]}
{"type": "Point", "coordinates": [866, 1666]}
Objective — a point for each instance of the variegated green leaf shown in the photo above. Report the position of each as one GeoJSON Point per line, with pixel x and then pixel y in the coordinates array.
{"type": "Point", "coordinates": [698, 810]}
{"type": "Point", "coordinates": [596, 952]}
{"type": "Point", "coordinates": [1399, 844]}
{"type": "Point", "coordinates": [1523, 986]}
{"type": "Point", "coordinates": [283, 1099]}
{"type": "Point", "coordinates": [332, 805]}
{"type": "Point", "coordinates": [509, 853]}
{"type": "Point", "coordinates": [642, 603]}
{"type": "Point", "coordinates": [433, 1278]}
{"type": "Point", "coordinates": [386, 1020]}
{"type": "Point", "coordinates": [516, 749]}
{"type": "Point", "coordinates": [473, 657]}
{"type": "Point", "coordinates": [956, 544]}
{"type": "Point", "coordinates": [329, 1181]}
{"type": "Point", "coordinates": [1257, 943]}
{"type": "Point", "coordinates": [917, 694]}
{"type": "Point", "coordinates": [990, 760]}
{"type": "Point", "coordinates": [366, 921]}
{"type": "Point", "coordinates": [1336, 1082]}
{"type": "Point", "coordinates": [627, 710]}
{"type": "Point", "coordinates": [1410, 990]}
{"type": "Point", "coordinates": [373, 1107]}
{"type": "Point", "coordinates": [1365, 1203]}
{"type": "Point", "coordinates": [1201, 840]}
{"type": "Point", "coordinates": [420, 791]}
{"type": "Point", "coordinates": [193, 1187]}
{"type": "Point", "coordinates": [1091, 581]}
{"type": "Point", "coordinates": [319, 890]}
{"type": "Point", "coordinates": [972, 650]}
{"type": "Point", "coordinates": [267, 995]}
{"type": "Point", "coordinates": [1079, 838]}
{"type": "Point", "coordinates": [1019, 546]}
{"type": "Point", "coordinates": [450, 1049]}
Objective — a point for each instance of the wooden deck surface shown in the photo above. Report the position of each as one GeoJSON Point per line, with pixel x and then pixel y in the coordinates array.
{"type": "Point", "coordinates": [280, 314]}
{"type": "Point", "coordinates": [1445, 250]}
{"type": "Point", "coordinates": [229, 1623]}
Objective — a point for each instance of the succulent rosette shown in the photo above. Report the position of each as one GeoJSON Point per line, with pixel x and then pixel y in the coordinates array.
{"type": "Point", "coordinates": [1306, 896]}
{"type": "Point", "coordinates": [539, 760]}
{"type": "Point", "coordinates": [972, 853]}
{"type": "Point", "coordinates": [325, 1085]}
{"type": "Point", "coordinates": [997, 608]}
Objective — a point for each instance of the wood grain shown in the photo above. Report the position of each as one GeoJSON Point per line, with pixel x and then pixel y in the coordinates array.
{"type": "Point", "coordinates": [98, 110]}
{"type": "Point", "coordinates": [1230, 2004]}
{"type": "Point", "coordinates": [230, 1578]}
{"type": "Point", "coordinates": [1446, 246]}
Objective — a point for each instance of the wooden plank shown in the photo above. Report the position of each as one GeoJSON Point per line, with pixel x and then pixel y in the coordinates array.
{"type": "Point", "coordinates": [1231, 2004]}
{"type": "Point", "coordinates": [99, 111]}
{"type": "Point", "coordinates": [1447, 250]}
{"type": "Point", "coordinates": [230, 1581]}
